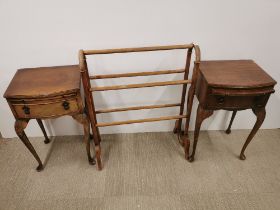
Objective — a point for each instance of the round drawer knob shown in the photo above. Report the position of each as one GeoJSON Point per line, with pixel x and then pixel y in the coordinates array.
{"type": "Point", "coordinates": [65, 105]}
{"type": "Point", "coordinates": [26, 109]}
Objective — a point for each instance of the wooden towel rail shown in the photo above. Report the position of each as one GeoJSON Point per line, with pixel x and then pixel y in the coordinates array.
{"type": "Point", "coordinates": [135, 108]}
{"type": "Point", "coordinates": [150, 84]}
{"type": "Point", "coordinates": [141, 120]}
{"type": "Point", "coordinates": [88, 89]}
{"type": "Point", "coordinates": [137, 74]}
{"type": "Point", "coordinates": [138, 49]}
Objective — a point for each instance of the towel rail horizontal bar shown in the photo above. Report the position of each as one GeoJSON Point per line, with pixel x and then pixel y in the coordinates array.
{"type": "Point", "coordinates": [140, 120]}
{"type": "Point", "coordinates": [135, 74]}
{"type": "Point", "coordinates": [142, 85]}
{"type": "Point", "coordinates": [138, 49]}
{"type": "Point", "coordinates": [136, 108]}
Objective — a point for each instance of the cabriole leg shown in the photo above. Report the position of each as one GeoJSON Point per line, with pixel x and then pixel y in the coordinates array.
{"type": "Point", "coordinates": [20, 125]}
{"type": "Point", "coordinates": [228, 130]}
{"type": "Point", "coordinates": [47, 140]}
{"type": "Point", "coordinates": [201, 115]}
{"type": "Point", "coordinates": [260, 113]}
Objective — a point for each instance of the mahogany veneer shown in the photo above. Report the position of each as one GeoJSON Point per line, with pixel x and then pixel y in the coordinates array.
{"type": "Point", "coordinates": [46, 92]}
{"type": "Point", "coordinates": [231, 85]}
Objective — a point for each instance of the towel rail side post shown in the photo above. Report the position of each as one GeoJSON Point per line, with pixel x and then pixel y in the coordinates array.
{"type": "Point", "coordinates": [90, 107]}
{"type": "Point", "coordinates": [191, 93]}
{"type": "Point", "coordinates": [178, 123]}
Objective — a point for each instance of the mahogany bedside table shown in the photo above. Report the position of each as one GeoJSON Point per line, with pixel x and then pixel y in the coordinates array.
{"type": "Point", "coordinates": [46, 92]}
{"type": "Point", "coordinates": [231, 85]}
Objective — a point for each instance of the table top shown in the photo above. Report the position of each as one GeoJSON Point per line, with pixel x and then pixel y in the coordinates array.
{"type": "Point", "coordinates": [235, 74]}
{"type": "Point", "coordinates": [44, 82]}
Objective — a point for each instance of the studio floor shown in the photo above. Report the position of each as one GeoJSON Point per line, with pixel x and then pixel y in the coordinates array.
{"type": "Point", "coordinates": [143, 171]}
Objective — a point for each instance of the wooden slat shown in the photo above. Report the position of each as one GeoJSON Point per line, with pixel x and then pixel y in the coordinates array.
{"type": "Point", "coordinates": [136, 108]}
{"type": "Point", "coordinates": [140, 120]}
{"type": "Point", "coordinates": [135, 74]}
{"type": "Point", "coordinates": [151, 84]}
{"type": "Point", "coordinates": [138, 49]}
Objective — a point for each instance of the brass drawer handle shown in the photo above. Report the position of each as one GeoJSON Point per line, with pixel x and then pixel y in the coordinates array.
{"type": "Point", "coordinates": [26, 109]}
{"type": "Point", "coordinates": [65, 105]}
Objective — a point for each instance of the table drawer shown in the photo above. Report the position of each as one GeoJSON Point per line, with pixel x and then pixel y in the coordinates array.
{"type": "Point", "coordinates": [45, 109]}
{"type": "Point", "coordinates": [232, 102]}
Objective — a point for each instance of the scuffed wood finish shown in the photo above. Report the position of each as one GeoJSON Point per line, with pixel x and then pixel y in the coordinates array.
{"type": "Point", "coordinates": [231, 85]}
{"type": "Point", "coordinates": [46, 92]}
{"type": "Point", "coordinates": [90, 102]}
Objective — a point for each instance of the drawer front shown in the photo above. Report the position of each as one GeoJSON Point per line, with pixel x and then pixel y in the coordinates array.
{"type": "Point", "coordinates": [236, 102]}
{"type": "Point", "coordinates": [46, 109]}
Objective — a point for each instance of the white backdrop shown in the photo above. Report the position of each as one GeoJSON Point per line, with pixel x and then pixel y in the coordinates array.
{"type": "Point", "coordinates": [48, 33]}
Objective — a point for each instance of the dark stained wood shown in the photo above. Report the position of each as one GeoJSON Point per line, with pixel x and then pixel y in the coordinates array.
{"type": "Point", "coordinates": [228, 130]}
{"type": "Point", "coordinates": [260, 113]}
{"type": "Point", "coordinates": [46, 92]}
{"type": "Point", "coordinates": [235, 74]}
{"type": "Point", "coordinates": [231, 85]}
